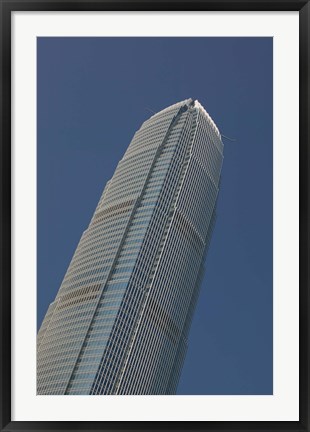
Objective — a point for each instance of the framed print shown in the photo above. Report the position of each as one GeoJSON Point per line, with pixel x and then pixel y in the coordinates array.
{"type": "Point", "coordinates": [154, 215]}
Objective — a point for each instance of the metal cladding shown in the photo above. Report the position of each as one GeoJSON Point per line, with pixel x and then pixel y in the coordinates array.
{"type": "Point", "coordinates": [120, 321]}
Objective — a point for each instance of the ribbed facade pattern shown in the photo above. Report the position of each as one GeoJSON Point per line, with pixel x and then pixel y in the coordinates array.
{"type": "Point", "coordinates": [120, 321]}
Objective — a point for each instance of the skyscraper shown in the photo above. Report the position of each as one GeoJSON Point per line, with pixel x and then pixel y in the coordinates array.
{"type": "Point", "coordinates": [120, 321]}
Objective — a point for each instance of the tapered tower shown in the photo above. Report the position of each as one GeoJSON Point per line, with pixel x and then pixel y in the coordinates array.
{"type": "Point", "coordinates": [120, 321]}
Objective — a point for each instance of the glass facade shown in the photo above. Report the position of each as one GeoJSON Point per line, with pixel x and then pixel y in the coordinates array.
{"type": "Point", "coordinates": [120, 320]}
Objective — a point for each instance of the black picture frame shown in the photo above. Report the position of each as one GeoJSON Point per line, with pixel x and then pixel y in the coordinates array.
{"type": "Point", "coordinates": [9, 6]}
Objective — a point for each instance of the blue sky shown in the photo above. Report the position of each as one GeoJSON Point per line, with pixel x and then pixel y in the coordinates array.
{"type": "Point", "coordinates": [93, 94]}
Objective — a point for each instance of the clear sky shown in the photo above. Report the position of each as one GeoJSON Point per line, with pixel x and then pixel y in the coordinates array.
{"type": "Point", "coordinates": [93, 94]}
